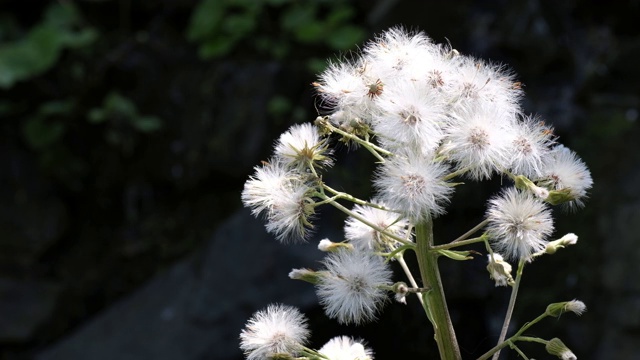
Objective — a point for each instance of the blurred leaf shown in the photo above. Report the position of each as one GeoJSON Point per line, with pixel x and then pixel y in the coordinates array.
{"type": "Point", "coordinates": [299, 16]}
{"type": "Point", "coordinates": [146, 123]}
{"type": "Point", "coordinates": [119, 108]}
{"type": "Point", "coordinates": [340, 15]}
{"type": "Point", "coordinates": [40, 48]}
{"type": "Point", "coordinates": [278, 106]}
{"type": "Point", "coordinates": [345, 37]}
{"type": "Point", "coordinates": [205, 19]}
{"type": "Point", "coordinates": [40, 134]}
{"type": "Point", "coordinates": [39, 131]}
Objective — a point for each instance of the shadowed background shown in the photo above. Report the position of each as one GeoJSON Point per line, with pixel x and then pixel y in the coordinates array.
{"type": "Point", "coordinates": [130, 127]}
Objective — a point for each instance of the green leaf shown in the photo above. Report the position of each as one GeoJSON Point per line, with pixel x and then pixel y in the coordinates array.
{"type": "Point", "coordinates": [146, 124]}
{"type": "Point", "coordinates": [40, 134]}
{"type": "Point", "coordinates": [456, 255]}
{"type": "Point", "coordinates": [345, 37]}
{"type": "Point", "coordinates": [205, 19]}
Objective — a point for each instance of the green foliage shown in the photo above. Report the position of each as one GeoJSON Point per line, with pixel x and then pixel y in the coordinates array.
{"type": "Point", "coordinates": [41, 47]}
{"type": "Point", "coordinates": [220, 26]}
{"type": "Point", "coordinates": [40, 131]}
{"type": "Point", "coordinates": [120, 109]}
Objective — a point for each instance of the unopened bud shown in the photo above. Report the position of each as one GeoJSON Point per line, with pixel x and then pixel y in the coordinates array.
{"type": "Point", "coordinates": [307, 275]}
{"type": "Point", "coordinates": [556, 347]}
{"type": "Point", "coordinates": [523, 183]}
{"type": "Point", "coordinates": [557, 197]}
{"type": "Point", "coordinates": [401, 289]}
{"type": "Point", "coordinates": [327, 245]}
{"type": "Point", "coordinates": [575, 306]}
{"type": "Point", "coordinates": [553, 246]}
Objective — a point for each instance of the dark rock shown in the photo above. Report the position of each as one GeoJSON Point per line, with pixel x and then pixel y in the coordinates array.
{"type": "Point", "coordinates": [196, 309]}
{"type": "Point", "coordinates": [24, 307]}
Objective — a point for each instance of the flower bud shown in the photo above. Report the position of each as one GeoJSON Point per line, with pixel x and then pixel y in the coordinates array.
{"type": "Point", "coordinates": [561, 196]}
{"type": "Point", "coordinates": [327, 245]}
{"type": "Point", "coordinates": [307, 275]}
{"type": "Point", "coordinates": [401, 289]}
{"type": "Point", "coordinates": [523, 183]}
{"type": "Point", "coordinates": [569, 239]}
{"type": "Point", "coordinates": [575, 306]}
{"type": "Point", "coordinates": [556, 347]}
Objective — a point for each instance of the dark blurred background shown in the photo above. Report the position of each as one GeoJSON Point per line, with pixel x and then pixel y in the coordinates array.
{"type": "Point", "coordinates": [130, 127]}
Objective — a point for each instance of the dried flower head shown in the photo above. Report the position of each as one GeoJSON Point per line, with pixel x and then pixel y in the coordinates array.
{"type": "Point", "coordinates": [346, 348]}
{"type": "Point", "coordinates": [350, 289]}
{"type": "Point", "coordinates": [279, 329]}
{"type": "Point", "coordinates": [361, 234]}
{"type": "Point", "coordinates": [519, 224]}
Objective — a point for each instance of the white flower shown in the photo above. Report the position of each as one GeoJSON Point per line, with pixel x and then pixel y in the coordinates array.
{"type": "Point", "coordinates": [282, 196]}
{"type": "Point", "coordinates": [478, 141]}
{"type": "Point", "coordinates": [519, 224]}
{"type": "Point", "coordinates": [529, 146]}
{"type": "Point", "coordinates": [278, 329]}
{"type": "Point", "coordinates": [410, 113]}
{"type": "Point", "coordinates": [362, 235]}
{"type": "Point", "coordinates": [564, 170]}
{"type": "Point", "coordinates": [350, 290]}
{"type": "Point", "coordinates": [346, 348]}
{"type": "Point", "coordinates": [302, 145]}
{"type": "Point", "coordinates": [413, 185]}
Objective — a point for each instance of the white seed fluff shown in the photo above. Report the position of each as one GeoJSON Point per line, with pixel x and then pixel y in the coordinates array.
{"type": "Point", "coordinates": [346, 348]}
{"type": "Point", "coordinates": [278, 329]}
{"type": "Point", "coordinates": [519, 224]}
{"type": "Point", "coordinates": [362, 235]}
{"type": "Point", "coordinates": [350, 290]}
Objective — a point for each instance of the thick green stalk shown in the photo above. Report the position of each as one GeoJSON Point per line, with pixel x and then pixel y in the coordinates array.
{"type": "Point", "coordinates": [435, 301]}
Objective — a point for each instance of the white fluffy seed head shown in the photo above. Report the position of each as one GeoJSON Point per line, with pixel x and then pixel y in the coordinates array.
{"type": "Point", "coordinates": [564, 170]}
{"type": "Point", "coordinates": [302, 145]}
{"type": "Point", "coordinates": [278, 329]}
{"type": "Point", "coordinates": [478, 141]}
{"type": "Point", "coordinates": [281, 195]}
{"type": "Point", "coordinates": [519, 224]}
{"type": "Point", "coordinates": [350, 290]}
{"type": "Point", "coordinates": [529, 146]}
{"type": "Point", "coordinates": [410, 113]}
{"type": "Point", "coordinates": [362, 235]}
{"type": "Point", "coordinates": [413, 185]}
{"type": "Point", "coordinates": [346, 348]}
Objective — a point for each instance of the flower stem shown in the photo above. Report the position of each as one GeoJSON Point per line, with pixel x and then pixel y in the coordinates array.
{"type": "Point", "coordinates": [435, 302]}
{"type": "Point", "coordinates": [512, 304]}
{"type": "Point", "coordinates": [407, 271]}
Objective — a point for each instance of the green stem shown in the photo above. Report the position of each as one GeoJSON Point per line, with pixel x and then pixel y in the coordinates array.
{"type": "Point", "coordinates": [435, 302]}
{"type": "Point", "coordinates": [512, 304]}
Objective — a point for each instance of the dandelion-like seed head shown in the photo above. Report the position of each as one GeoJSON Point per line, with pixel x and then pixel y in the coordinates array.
{"type": "Point", "coordinates": [362, 235]}
{"type": "Point", "coordinates": [346, 348]}
{"type": "Point", "coordinates": [278, 329]}
{"type": "Point", "coordinates": [530, 146]}
{"type": "Point", "coordinates": [519, 224]}
{"type": "Point", "coordinates": [350, 289]}
{"type": "Point", "coordinates": [302, 146]}
{"type": "Point", "coordinates": [565, 172]}
{"type": "Point", "coordinates": [413, 185]}
{"type": "Point", "coordinates": [283, 196]}
{"type": "Point", "coordinates": [477, 142]}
